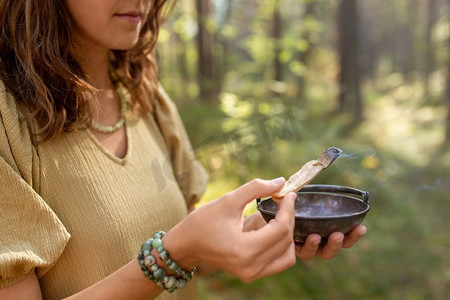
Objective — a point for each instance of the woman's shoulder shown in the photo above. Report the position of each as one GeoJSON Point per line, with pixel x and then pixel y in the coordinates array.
{"type": "Point", "coordinates": [3, 93]}
{"type": "Point", "coordinates": [182, 152]}
{"type": "Point", "coordinates": [13, 114]}
{"type": "Point", "coordinates": [33, 237]}
{"type": "Point", "coordinates": [9, 112]}
{"type": "Point", "coordinates": [164, 100]}
{"type": "Point", "coordinates": [17, 145]}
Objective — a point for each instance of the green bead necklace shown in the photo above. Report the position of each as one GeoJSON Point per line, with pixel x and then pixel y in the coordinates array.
{"type": "Point", "coordinates": [120, 123]}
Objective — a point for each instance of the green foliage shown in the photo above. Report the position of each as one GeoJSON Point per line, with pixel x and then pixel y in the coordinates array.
{"type": "Point", "coordinates": [259, 127]}
{"type": "Point", "coordinates": [404, 255]}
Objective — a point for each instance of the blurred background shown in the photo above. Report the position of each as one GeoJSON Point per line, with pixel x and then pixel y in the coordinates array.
{"type": "Point", "coordinates": [264, 86]}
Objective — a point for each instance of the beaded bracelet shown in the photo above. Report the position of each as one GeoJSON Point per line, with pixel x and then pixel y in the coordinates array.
{"type": "Point", "coordinates": [157, 274]}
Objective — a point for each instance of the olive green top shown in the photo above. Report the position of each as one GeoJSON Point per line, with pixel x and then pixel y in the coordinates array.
{"type": "Point", "coordinates": [75, 213]}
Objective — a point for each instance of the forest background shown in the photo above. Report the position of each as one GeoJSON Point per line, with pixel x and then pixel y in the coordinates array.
{"type": "Point", "coordinates": [264, 86]}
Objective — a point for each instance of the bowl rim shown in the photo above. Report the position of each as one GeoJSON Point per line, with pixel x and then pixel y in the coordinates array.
{"type": "Point", "coordinates": [318, 218]}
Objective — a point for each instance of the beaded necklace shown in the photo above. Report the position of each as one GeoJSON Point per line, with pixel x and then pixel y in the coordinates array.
{"type": "Point", "coordinates": [120, 123]}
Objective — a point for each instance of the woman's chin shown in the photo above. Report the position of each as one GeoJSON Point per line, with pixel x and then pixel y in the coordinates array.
{"type": "Point", "coordinates": [124, 45]}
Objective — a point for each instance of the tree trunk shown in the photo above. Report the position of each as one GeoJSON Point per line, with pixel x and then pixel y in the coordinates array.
{"type": "Point", "coordinates": [432, 16]}
{"type": "Point", "coordinates": [350, 96]}
{"type": "Point", "coordinates": [224, 62]}
{"type": "Point", "coordinates": [371, 49]}
{"type": "Point", "coordinates": [447, 100]}
{"type": "Point", "coordinates": [182, 61]}
{"type": "Point", "coordinates": [205, 44]}
{"type": "Point", "coordinates": [447, 97]}
{"type": "Point", "coordinates": [303, 57]}
{"type": "Point", "coordinates": [276, 36]}
{"type": "Point", "coordinates": [405, 48]}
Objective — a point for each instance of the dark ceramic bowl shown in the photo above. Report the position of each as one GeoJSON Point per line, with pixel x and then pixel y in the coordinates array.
{"type": "Point", "coordinates": [322, 209]}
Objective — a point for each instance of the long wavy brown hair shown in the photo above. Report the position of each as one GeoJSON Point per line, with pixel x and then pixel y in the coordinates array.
{"type": "Point", "coordinates": [37, 67]}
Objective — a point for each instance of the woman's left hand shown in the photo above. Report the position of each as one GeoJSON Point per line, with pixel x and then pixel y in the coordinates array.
{"type": "Point", "coordinates": [311, 248]}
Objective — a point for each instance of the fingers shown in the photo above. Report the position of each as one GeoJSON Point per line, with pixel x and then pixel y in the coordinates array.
{"type": "Point", "coordinates": [286, 212]}
{"type": "Point", "coordinates": [253, 222]}
{"type": "Point", "coordinates": [256, 188]}
{"type": "Point", "coordinates": [310, 248]}
{"type": "Point", "coordinates": [277, 235]}
{"type": "Point", "coordinates": [353, 236]}
{"type": "Point", "coordinates": [332, 247]}
{"type": "Point", "coordinates": [280, 228]}
{"type": "Point", "coordinates": [336, 241]}
{"type": "Point", "coordinates": [280, 263]}
{"type": "Point", "coordinates": [275, 249]}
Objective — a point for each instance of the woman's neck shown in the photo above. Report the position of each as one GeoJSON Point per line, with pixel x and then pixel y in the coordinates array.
{"type": "Point", "coordinates": [97, 72]}
{"type": "Point", "coordinates": [95, 65]}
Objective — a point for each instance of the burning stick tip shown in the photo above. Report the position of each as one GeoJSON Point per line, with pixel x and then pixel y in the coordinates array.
{"type": "Point", "coordinates": [329, 156]}
{"type": "Point", "coordinates": [334, 152]}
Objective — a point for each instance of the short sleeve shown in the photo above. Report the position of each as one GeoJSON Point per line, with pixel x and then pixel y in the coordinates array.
{"type": "Point", "coordinates": [31, 236]}
{"type": "Point", "coordinates": [191, 176]}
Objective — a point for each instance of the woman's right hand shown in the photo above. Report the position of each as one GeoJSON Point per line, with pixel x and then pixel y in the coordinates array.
{"type": "Point", "coordinates": [214, 234]}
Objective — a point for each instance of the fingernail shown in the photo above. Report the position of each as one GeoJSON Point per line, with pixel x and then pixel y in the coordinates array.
{"type": "Point", "coordinates": [278, 180]}
{"type": "Point", "coordinates": [339, 241]}
{"type": "Point", "coordinates": [364, 230]}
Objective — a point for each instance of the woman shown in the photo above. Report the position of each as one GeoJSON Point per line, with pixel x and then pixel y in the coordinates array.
{"type": "Point", "coordinates": [83, 120]}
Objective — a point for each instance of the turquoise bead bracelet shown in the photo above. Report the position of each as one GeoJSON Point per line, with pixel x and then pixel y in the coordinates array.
{"type": "Point", "coordinates": [157, 274]}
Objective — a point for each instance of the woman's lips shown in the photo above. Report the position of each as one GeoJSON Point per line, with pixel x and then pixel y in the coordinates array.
{"type": "Point", "coordinates": [131, 17]}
